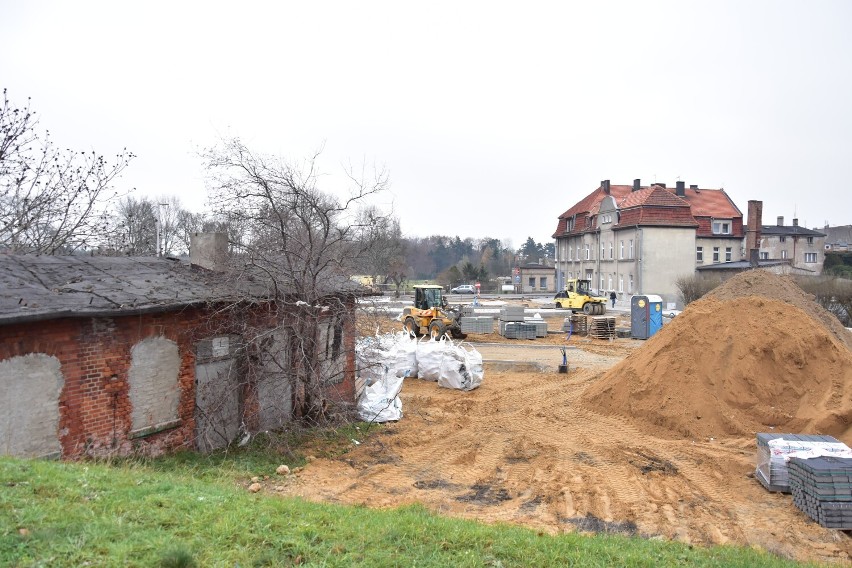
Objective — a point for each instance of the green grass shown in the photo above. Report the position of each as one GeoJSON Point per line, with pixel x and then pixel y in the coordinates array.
{"type": "Point", "coordinates": [189, 510]}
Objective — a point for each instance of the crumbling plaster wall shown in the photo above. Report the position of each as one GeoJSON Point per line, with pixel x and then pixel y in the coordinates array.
{"type": "Point", "coordinates": [30, 386]}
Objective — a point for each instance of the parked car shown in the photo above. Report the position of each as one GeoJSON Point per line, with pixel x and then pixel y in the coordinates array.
{"type": "Point", "coordinates": [464, 289]}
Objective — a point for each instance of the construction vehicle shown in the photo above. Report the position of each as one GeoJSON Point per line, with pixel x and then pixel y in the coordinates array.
{"type": "Point", "coordinates": [578, 296]}
{"type": "Point", "coordinates": [431, 315]}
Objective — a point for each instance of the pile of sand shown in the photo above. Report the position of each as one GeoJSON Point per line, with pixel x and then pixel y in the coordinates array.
{"type": "Point", "coordinates": [783, 288]}
{"type": "Point", "coordinates": [754, 356]}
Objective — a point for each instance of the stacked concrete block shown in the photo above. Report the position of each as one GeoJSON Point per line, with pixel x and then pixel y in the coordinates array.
{"type": "Point", "coordinates": [822, 489]}
{"type": "Point", "coordinates": [540, 326]}
{"type": "Point", "coordinates": [480, 324]}
{"type": "Point", "coordinates": [512, 313]}
{"type": "Point", "coordinates": [517, 330]}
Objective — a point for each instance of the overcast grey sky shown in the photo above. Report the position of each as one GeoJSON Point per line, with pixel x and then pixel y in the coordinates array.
{"type": "Point", "coordinates": [492, 118]}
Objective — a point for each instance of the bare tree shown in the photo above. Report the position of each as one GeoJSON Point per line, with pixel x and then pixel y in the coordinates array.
{"type": "Point", "coordinates": [51, 200]}
{"type": "Point", "coordinates": [384, 256]}
{"type": "Point", "coordinates": [304, 244]}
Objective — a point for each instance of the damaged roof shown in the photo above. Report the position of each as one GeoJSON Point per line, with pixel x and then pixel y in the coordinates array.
{"type": "Point", "coordinates": [34, 287]}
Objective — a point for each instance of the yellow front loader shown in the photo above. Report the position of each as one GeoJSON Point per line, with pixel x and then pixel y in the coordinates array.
{"type": "Point", "coordinates": [431, 315]}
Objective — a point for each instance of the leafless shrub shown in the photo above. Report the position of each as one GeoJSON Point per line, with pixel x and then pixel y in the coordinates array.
{"type": "Point", "coordinates": [694, 286]}
{"type": "Point", "coordinates": [832, 293]}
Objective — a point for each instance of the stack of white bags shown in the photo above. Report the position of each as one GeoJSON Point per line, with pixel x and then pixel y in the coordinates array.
{"type": "Point", "coordinates": [385, 360]}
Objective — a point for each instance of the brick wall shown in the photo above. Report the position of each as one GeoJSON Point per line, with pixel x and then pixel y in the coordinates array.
{"type": "Point", "coordinates": [95, 411]}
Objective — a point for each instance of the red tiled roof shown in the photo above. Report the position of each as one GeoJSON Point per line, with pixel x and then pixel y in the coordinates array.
{"type": "Point", "coordinates": [655, 206]}
{"type": "Point", "coordinates": [703, 204]}
{"type": "Point", "coordinates": [711, 203]}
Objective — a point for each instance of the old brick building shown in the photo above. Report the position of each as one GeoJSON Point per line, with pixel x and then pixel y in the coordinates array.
{"type": "Point", "coordinates": [104, 356]}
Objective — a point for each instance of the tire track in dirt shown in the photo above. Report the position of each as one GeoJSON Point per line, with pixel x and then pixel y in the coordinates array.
{"type": "Point", "coordinates": [522, 449]}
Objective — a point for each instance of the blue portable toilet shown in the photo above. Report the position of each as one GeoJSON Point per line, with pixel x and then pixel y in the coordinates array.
{"type": "Point", "coordinates": [646, 316]}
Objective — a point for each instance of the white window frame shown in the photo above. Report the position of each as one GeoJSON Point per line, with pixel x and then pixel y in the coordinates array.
{"type": "Point", "coordinates": [621, 250]}
{"type": "Point", "coordinates": [611, 248]}
{"type": "Point", "coordinates": [764, 256]}
{"type": "Point", "coordinates": [699, 254]}
{"type": "Point", "coordinates": [630, 284]}
{"type": "Point", "coordinates": [810, 240]}
{"type": "Point", "coordinates": [783, 255]}
{"type": "Point", "coordinates": [621, 282]}
{"type": "Point", "coordinates": [715, 254]}
{"type": "Point", "coordinates": [631, 249]}
{"type": "Point", "coordinates": [609, 282]}
{"type": "Point", "coordinates": [810, 257]}
{"type": "Point", "coordinates": [601, 283]}
{"type": "Point", "coordinates": [729, 254]}
{"type": "Point", "coordinates": [588, 252]}
{"type": "Point", "coordinates": [722, 226]}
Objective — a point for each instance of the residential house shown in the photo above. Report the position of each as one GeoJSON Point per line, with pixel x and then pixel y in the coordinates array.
{"type": "Point", "coordinates": [838, 239]}
{"type": "Point", "coordinates": [111, 356]}
{"type": "Point", "coordinates": [640, 239]}
{"type": "Point", "coordinates": [803, 248]}
{"type": "Point", "coordinates": [537, 277]}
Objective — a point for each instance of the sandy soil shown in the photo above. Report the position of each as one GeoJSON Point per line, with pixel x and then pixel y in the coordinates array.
{"type": "Point", "coordinates": [559, 452]}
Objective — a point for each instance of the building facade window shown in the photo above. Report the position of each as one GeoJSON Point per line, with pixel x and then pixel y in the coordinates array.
{"type": "Point", "coordinates": [810, 240]}
{"type": "Point", "coordinates": [569, 252]}
{"type": "Point", "coordinates": [610, 250]}
{"type": "Point", "coordinates": [764, 256]}
{"type": "Point", "coordinates": [621, 282]}
{"type": "Point", "coordinates": [783, 254]}
{"type": "Point", "coordinates": [699, 254]}
{"type": "Point", "coordinates": [631, 248]}
{"type": "Point", "coordinates": [532, 282]}
{"type": "Point", "coordinates": [601, 287]}
{"type": "Point", "coordinates": [603, 251]}
{"type": "Point", "coordinates": [782, 239]}
{"type": "Point", "coordinates": [810, 257]}
{"type": "Point", "coordinates": [542, 283]}
{"type": "Point", "coordinates": [578, 252]}
{"type": "Point", "coordinates": [609, 283]}
{"type": "Point", "coordinates": [630, 285]}
{"type": "Point", "coordinates": [621, 250]}
{"type": "Point", "coordinates": [728, 254]}
{"type": "Point", "coordinates": [722, 227]}
{"type": "Point", "coordinates": [588, 252]}
{"type": "Point", "coordinates": [715, 254]}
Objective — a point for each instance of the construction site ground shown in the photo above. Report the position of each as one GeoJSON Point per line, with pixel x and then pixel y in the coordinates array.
{"type": "Point", "coordinates": [525, 449]}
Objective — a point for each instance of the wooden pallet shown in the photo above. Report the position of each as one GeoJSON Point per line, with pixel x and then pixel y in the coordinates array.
{"type": "Point", "coordinates": [580, 324]}
{"type": "Point", "coordinates": [601, 327]}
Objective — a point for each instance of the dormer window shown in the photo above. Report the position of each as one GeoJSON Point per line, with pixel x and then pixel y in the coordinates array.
{"type": "Point", "coordinates": [722, 227]}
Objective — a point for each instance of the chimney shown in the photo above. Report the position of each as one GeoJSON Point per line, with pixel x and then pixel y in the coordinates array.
{"type": "Point", "coordinates": [755, 222]}
{"type": "Point", "coordinates": [795, 222]}
{"type": "Point", "coordinates": [637, 184]}
{"type": "Point", "coordinates": [605, 186]}
{"type": "Point", "coordinates": [680, 189]}
{"type": "Point", "coordinates": [781, 221]}
{"type": "Point", "coordinates": [209, 250]}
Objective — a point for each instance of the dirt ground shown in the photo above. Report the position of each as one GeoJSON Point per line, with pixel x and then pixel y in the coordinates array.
{"type": "Point", "coordinates": [527, 448]}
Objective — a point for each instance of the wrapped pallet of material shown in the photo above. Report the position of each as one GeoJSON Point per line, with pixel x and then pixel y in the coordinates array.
{"type": "Point", "coordinates": [775, 450]}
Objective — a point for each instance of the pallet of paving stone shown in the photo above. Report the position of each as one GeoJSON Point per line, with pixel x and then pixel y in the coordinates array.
{"type": "Point", "coordinates": [602, 327]}
{"type": "Point", "coordinates": [540, 326]}
{"type": "Point", "coordinates": [773, 450]}
{"type": "Point", "coordinates": [468, 310]}
{"type": "Point", "coordinates": [512, 313]}
{"type": "Point", "coordinates": [515, 330]}
{"type": "Point", "coordinates": [479, 324]}
{"type": "Point", "coordinates": [822, 490]}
